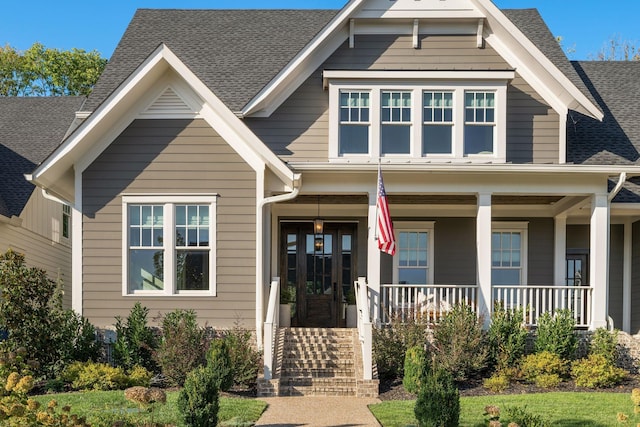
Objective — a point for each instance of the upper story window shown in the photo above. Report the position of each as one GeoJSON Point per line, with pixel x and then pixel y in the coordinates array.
{"type": "Point", "coordinates": [456, 116]}
{"type": "Point", "coordinates": [66, 221]}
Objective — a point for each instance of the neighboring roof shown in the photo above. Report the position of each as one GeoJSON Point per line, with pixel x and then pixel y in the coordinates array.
{"type": "Point", "coordinates": [30, 128]}
{"type": "Point", "coordinates": [234, 52]}
{"type": "Point", "coordinates": [535, 29]}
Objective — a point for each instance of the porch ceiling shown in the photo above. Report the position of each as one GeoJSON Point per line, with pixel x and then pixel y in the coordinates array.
{"type": "Point", "coordinates": [424, 199]}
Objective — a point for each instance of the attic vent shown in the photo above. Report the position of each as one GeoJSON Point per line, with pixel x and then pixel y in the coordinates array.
{"type": "Point", "coordinates": [169, 104]}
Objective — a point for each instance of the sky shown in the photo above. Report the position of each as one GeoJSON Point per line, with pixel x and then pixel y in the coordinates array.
{"type": "Point", "coordinates": [584, 25]}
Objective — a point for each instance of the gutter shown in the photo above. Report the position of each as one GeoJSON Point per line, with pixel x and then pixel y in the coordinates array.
{"type": "Point", "coordinates": [621, 180]}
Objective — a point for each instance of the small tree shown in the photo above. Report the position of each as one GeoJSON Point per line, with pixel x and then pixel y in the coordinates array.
{"type": "Point", "coordinates": [198, 402]}
{"type": "Point", "coordinates": [438, 403]}
{"type": "Point", "coordinates": [219, 362]}
{"type": "Point", "coordinates": [136, 342]}
{"type": "Point", "coordinates": [507, 337]}
{"type": "Point", "coordinates": [413, 366]}
{"type": "Point", "coordinates": [556, 334]}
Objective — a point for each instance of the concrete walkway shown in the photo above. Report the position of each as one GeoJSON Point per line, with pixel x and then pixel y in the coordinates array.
{"type": "Point", "coordinates": [318, 412]}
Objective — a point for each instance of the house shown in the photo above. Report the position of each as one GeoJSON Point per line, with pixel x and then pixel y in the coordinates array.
{"type": "Point", "coordinates": [32, 222]}
{"type": "Point", "coordinates": [216, 138]}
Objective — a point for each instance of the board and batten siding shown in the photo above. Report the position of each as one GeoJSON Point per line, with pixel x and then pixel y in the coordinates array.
{"type": "Point", "coordinates": [299, 129]}
{"type": "Point", "coordinates": [170, 157]}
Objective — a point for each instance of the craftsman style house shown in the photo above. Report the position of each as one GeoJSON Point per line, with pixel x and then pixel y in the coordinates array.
{"type": "Point", "coordinates": [223, 148]}
{"type": "Point", "coordinates": [32, 222]}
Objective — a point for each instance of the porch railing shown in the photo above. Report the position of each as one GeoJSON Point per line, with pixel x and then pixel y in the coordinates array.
{"type": "Point", "coordinates": [365, 327]}
{"type": "Point", "coordinates": [536, 300]}
{"type": "Point", "coordinates": [428, 302]}
{"type": "Point", "coordinates": [271, 327]}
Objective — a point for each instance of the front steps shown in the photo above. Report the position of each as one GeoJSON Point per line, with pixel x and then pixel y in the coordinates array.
{"type": "Point", "coordinates": [318, 362]}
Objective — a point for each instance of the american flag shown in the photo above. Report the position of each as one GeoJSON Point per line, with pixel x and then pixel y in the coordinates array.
{"type": "Point", "coordinates": [386, 238]}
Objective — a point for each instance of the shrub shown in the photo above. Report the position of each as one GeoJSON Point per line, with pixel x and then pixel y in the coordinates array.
{"type": "Point", "coordinates": [522, 417]}
{"type": "Point", "coordinates": [139, 376]}
{"type": "Point", "coordinates": [605, 344]}
{"type": "Point", "coordinates": [100, 376]}
{"type": "Point", "coordinates": [245, 359]}
{"type": "Point", "coordinates": [557, 334]}
{"type": "Point", "coordinates": [497, 383]}
{"type": "Point", "coordinates": [460, 343]}
{"type": "Point", "coordinates": [183, 345]}
{"type": "Point", "coordinates": [219, 361]}
{"type": "Point", "coordinates": [542, 363]}
{"type": "Point", "coordinates": [507, 337]}
{"type": "Point", "coordinates": [136, 342]}
{"type": "Point", "coordinates": [198, 400]}
{"type": "Point", "coordinates": [596, 372]}
{"type": "Point", "coordinates": [390, 344]}
{"type": "Point", "coordinates": [548, 380]}
{"type": "Point", "coordinates": [413, 363]}
{"type": "Point", "coordinates": [438, 403]}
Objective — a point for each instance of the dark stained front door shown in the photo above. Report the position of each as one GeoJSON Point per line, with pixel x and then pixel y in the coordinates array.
{"type": "Point", "coordinates": [319, 271]}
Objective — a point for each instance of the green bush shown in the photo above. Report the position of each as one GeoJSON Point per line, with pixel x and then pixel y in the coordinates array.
{"type": "Point", "coordinates": [413, 363]}
{"type": "Point", "coordinates": [497, 383]}
{"type": "Point", "coordinates": [605, 344]}
{"type": "Point", "coordinates": [547, 380]}
{"type": "Point", "coordinates": [542, 363]}
{"type": "Point", "coordinates": [390, 343]}
{"type": "Point", "coordinates": [557, 334]}
{"type": "Point", "coordinates": [245, 359]}
{"type": "Point", "coordinates": [507, 337]}
{"type": "Point", "coordinates": [219, 361]}
{"type": "Point", "coordinates": [198, 401]}
{"type": "Point", "coordinates": [136, 342]}
{"type": "Point", "coordinates": [460, 343]}
{"type": "Point", "coordinates": [139, 376]}
{"type": "Point", "coordinates": [522, 417]}
{"type": "Point", "coordinates": [100, 376]}
{"type": "Point", "coordinates": [183, 345]}
{"type": "Point", "coordinates": [596, 372]}
{"type": "Point", "coordinates": [438, 403]}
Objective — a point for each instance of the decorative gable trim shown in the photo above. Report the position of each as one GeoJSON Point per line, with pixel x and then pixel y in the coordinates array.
{"type": "Point", "coordinates": [170, 105]}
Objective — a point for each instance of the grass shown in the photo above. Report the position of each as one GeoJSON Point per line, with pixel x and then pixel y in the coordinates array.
{"type": "Point", "coordinates": [561, 409]}
{"type": "Point", "coordinates": [103, 407]}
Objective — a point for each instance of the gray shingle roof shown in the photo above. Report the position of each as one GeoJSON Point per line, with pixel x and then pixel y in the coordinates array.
{"type": "Point", "coordinates": [30, 129]}
{"type": "Point", "coordinates": [234, 52]}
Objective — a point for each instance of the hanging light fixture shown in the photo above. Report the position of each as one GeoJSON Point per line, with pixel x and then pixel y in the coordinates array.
{"type": "Point", "coordinates": [318, 223]}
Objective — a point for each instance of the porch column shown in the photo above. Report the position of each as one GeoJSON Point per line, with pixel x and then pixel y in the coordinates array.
{"type": "Point", "coordinates": [483, 254]}
{"type": "Point", "coordinates": [373, 257]}
{"type": "Point", "coordinates": [599, 260]}
{"type": "Point", "coordinates": [626, 276]}
{"type": "Point", "coordinates": [560, 250]}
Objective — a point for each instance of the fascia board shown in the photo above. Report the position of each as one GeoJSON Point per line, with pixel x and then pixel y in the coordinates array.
{"type": "Point", "coordinates": [505, 29]}
{"type": "Point", "coordinates": [264, 97]}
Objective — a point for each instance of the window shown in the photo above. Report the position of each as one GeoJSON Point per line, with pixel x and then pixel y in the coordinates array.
{"type": "Point", "coordinates": [354, 122]}
{"type": "Point", "coordinates": [66, 221]}
{"type": "Point", "coordinates": [479, 122]}
{"type": "Point", "coordinates": [169, 245]}
{"type": "Point", "coordinates": [437, 130]}
{"type": "Point", "coordinates": [414, 260]}
{"type": "Point", "coordinates": [508, 254]}
{"type": "Point", "coordinates": [396, 122]}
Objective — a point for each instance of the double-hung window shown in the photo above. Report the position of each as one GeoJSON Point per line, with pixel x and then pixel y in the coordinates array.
{"type": "Point", "coordinates": [509, 254]}
{"type": "Point", "coordinates": [395, 119]}
{"type": "Point", "coordinates": [169, 245]}
{"type": "Point", "coordinates": [355, 120]}
{"type": "Point", "coordinates": [437, 116]}
{"type": "Point", "coordinates": [413, 263]}
{"type": "Point", "coordinates": [479, 122]}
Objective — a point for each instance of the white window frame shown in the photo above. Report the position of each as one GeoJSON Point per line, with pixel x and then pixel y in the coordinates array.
{"type": "Point", "coordinates": [458, 87]}
{"type": "Point", "coordinates": [169, 245]}
{"type": "Point", "coordinates": [521, 227]}
{"type": "Point", "coordinates": [66, 219]}
{"type": "Point", "coordinates": [416, 226]}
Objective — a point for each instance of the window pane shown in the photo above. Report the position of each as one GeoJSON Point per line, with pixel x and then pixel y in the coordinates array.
{"type": "Point", "coordinates": [146, 237]}
{"type": "Point", "coordinates": [192, 270]}
{"type": "Point", "coordinates": [181, 215]}
{"type": "Point", "coordinates": [505, 276]}
{"type": "Point", "coordinates": [204, 237]}
{"type": "Point", "coordinates": [412, 276]}
{"type": "Point", "coordinates": [437, 139]}
{"type": "Point", "coordinates": [134, 237]}
{"type": "Point", "coordinates": [478, 139]}
{"type": "Point", "coordinates": [147, 215]}
{"type": "Point", "coordinates": [134, 215]}
{"type": "Point", "coordinates": [396, 139]}
{"type": "Point", "coordinates": [354, 139]}
{"type": "Point", "coordinates": [146, 270]}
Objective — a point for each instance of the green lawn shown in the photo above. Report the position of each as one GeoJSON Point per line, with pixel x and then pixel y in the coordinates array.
{"type": "Point", "coordinates": [562, 409]}
{"type": "Point", "coordinates": [103, 407]}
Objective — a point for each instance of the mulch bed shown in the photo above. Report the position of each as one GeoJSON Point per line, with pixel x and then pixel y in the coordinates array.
{"type": "Point", "coordinates": [393, 390]}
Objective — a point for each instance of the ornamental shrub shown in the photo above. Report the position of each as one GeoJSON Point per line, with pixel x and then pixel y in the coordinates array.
{"type": "Point", "coordinates": [183, 345]}
{"type": "Point", "coordinates": [136, 342]}
{"type": "Point", "coordinates": [390, 343]}
{"type": "Point", "coordinates": [100, 376]}
{"type": "Point", "coordinates": [413, 363]}
{"type": "Point", "coordinates": [605, 343]}
{"type": "Point", "coordinates": [547, 380]}
{"type": "Point", "coordinates": [438, 403]}
{"type": "Point", "coordinates": [557, 334]}
{"type": "Point", "coordinates": [543, 363]}
{"type": "Point", "coordinates": [497, 383]}
{"type": "Point", "coordinates": [219, 362]}
{"type": "Point", "coordinates": [198, 401]}
{"type": "Point", "coordinates": [460, 344]}
{"type": "Point", "coordinates": [245, 359]}
{"type": "Point", "coordinates": [521, 416]}
{"type": "Point", "coordinates": [139, 376]}
{"type": "Point", "coordinates": [596, 371]}
{"type": "Point", "coordinates": [507, 337]}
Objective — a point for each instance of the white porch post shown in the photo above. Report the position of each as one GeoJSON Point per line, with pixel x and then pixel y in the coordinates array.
{"type": "Point", "coordinates": [599, 260]}
{"type": "Point", "coordinates": [373, 257]}
{"type": "Point", "coordinates": [483, 250]}
{"type": "Point", "coordinates": [626, 276]}
{"type": "Point", "coordinates": [560, 251]}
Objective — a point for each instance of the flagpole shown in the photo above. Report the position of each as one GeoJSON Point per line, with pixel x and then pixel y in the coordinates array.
{"type": "Point", "coordinates": [375, 235]}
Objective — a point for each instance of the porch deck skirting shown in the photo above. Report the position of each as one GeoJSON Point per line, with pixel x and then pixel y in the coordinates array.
{"type": "Point", "coordinates": [431, 302]}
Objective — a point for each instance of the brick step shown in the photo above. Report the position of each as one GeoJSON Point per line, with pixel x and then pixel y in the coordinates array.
{"type": "Point", "coordinates": [317, 339]}
{"type": "Point", "coordinates": [317, 355]}
{"type": "Point", "coordinates": [325, 382]}
{"type": "Point", "coordinates": [317, 364]}
{"type": "Point", "coordinates": [317, 391]}
{"type": "Point", "coordinates": [317, 372]}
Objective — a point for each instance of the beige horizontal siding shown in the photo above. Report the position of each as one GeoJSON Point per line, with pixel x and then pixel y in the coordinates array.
{"type": "Point", "coordinates": [160, 157]}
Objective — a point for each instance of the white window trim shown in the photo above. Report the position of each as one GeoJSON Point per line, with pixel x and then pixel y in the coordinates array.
{"type": "Point", "coordinates": [169, 202]}
{"type": "Point", "coordinates": [418, 226]}
{"type": "Point", "coordinates": [523, 228]}
{"type": "Point", "coordinates": [458, 87]}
